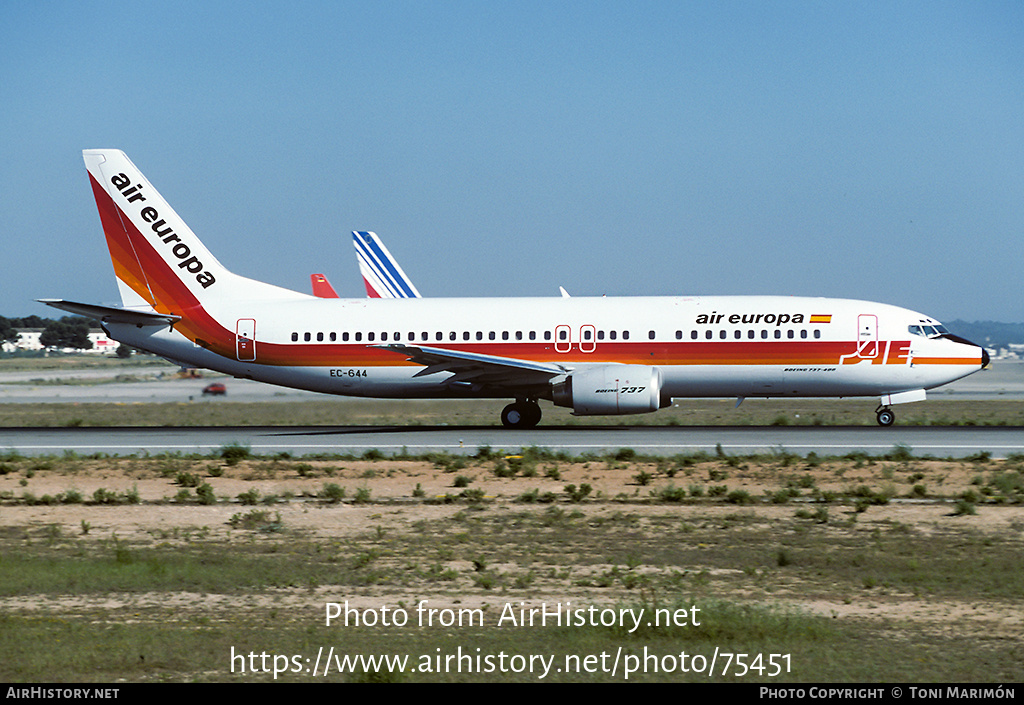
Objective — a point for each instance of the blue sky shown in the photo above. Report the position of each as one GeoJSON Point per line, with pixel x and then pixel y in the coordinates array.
{"type": "Point", "coordinates": [870, 150]}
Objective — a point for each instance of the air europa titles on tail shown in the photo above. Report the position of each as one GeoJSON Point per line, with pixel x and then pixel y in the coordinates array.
{"type": "Point", "coordinates": [594, 355]}
{"type": "Point", "coordinates": [163, 231]}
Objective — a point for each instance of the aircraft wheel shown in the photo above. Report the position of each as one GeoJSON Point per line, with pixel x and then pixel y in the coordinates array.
{"type": "Point", "coordinates": [885, 417]}
{"type": "Point", "coordinates": [525, 414]}
{"type": "Point", "coordinates": [512, 416]}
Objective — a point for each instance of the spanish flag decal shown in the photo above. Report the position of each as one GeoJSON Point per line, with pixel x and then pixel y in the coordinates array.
{"type": "Point", "coordinates": [821, 318]}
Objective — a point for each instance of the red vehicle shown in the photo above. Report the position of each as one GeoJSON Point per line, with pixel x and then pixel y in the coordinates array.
{"type": "Point", "coordinates": [216, 389]}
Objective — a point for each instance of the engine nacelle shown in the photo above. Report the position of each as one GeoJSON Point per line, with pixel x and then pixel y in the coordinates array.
{"type": "Point", "coordinates": [610, 389]}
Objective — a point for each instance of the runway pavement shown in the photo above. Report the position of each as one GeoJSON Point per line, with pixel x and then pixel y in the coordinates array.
{"type": "Point", "coordinates": [300, 441]}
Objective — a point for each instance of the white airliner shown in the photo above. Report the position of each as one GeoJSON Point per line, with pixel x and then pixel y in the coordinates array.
{"type": "Point", "coordinates": [607, 355]}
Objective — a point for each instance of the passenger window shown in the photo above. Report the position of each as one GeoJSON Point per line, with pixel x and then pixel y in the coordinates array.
{"type": "Point", "coordinates": [650, 335]}
{"type": "Point", "coordinates": [295, 337]}
{"type": "Point", "coordinates": [383, 336]}
{"type": "Point", "coordinates": [369, 337]}
{"type": "Point", "coordinates": [693, 335]}
{"type": "Point", "coordinates": [491, 336]}
{"type": "Point", "coordinates": [307, 337]}
{"type": "Point", "coordinates": [359, 337]}
{"type": "Point", "coordinates": [344, 337]}
{"type": "Point", "coordinates": [319, 337]}
{"type": "Point", "coordinates": [625, 335]}
{"type": "Point", "coordinates": [612, 334]}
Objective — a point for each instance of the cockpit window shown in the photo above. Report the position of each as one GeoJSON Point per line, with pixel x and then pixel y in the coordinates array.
{"type": "Point", "coordinates": [928, 330]}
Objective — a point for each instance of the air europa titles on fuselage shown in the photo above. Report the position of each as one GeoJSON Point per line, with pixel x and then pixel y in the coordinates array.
{"type": "Point", "coordinates": [778, 319]}
{"type": "Point", "coordinates": [188, 262]}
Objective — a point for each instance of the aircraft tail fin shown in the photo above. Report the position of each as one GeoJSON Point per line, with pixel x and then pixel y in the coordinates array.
{"type": "Point", "coordinates": [158, 261]}
{"type": "Point", "coordinates": [382, 275]}
{"type": "Point", "coordinates": [322, 288]}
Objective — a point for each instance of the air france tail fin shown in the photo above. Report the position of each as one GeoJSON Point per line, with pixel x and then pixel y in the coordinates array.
{"type": "Point", "coordinates": [159, 262]}
{"type": "Point", "coordinates": [382, 275]}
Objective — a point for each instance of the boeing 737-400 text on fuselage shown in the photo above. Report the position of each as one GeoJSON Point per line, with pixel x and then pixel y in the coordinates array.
{"type": "Point", "coordinates": [607, 355]}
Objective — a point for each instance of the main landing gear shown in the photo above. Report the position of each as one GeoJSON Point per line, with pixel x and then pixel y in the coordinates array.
{"type": "Point", "coordinates": [523, 413]}
{"type": "Point", "coordinates": [885, 416]}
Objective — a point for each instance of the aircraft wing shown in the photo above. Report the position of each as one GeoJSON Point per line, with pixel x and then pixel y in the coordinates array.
{"type": "Point", "coordinates": [113, 314]}
{"type": "Point", "coordinates": [477, 369]}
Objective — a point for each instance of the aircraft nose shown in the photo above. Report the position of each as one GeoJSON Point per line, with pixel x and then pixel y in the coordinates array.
{"type": "Point", "coordinates": [964, 341]}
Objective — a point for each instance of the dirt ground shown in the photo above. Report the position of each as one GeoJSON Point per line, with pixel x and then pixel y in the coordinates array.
{"type": "Point", "coordinates": [403, 494]}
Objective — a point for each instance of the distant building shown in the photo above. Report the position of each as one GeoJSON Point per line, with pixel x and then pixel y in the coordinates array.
{"type": "Point", "coordinates": [28, 339]}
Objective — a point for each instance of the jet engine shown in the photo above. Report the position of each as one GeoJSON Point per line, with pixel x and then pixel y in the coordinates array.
{"type": "Point", "coordinates": [611, 389]}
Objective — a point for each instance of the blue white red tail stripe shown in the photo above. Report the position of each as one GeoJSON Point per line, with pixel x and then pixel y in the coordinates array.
{"type": "Point", "coordinates": [382, 275]}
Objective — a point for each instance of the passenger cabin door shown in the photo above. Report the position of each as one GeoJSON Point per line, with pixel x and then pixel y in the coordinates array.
{"type": "Point", "coordinates": [867, 336]}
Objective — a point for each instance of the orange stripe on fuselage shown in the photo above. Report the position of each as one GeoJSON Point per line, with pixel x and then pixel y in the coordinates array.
{"type": "Point", "coordinates": [365, 354]}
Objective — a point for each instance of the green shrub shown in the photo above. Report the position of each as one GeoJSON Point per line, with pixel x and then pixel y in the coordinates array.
{"type": "Point", "coordinates": [739, 497]}
{"type": "Point", "coordinates": [332, 492]}
{"type": "Point", "coordinates": [205, 494]}
{"type": "Point", "coordinates": [576, 494]}
{"type": "Point", "coordinates": [249, 497]}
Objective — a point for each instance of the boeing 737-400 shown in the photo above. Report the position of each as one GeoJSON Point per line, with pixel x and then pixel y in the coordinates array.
{"type": "Point", "coordinates": [606, 355]}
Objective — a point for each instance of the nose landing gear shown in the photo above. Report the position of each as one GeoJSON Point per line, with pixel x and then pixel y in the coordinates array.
{"type": "Point", "coordinates": [885, 416]}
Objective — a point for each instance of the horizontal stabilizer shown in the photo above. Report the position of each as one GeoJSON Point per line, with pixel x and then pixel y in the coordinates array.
{"type": "Point", "coordinates": [112, 314]}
